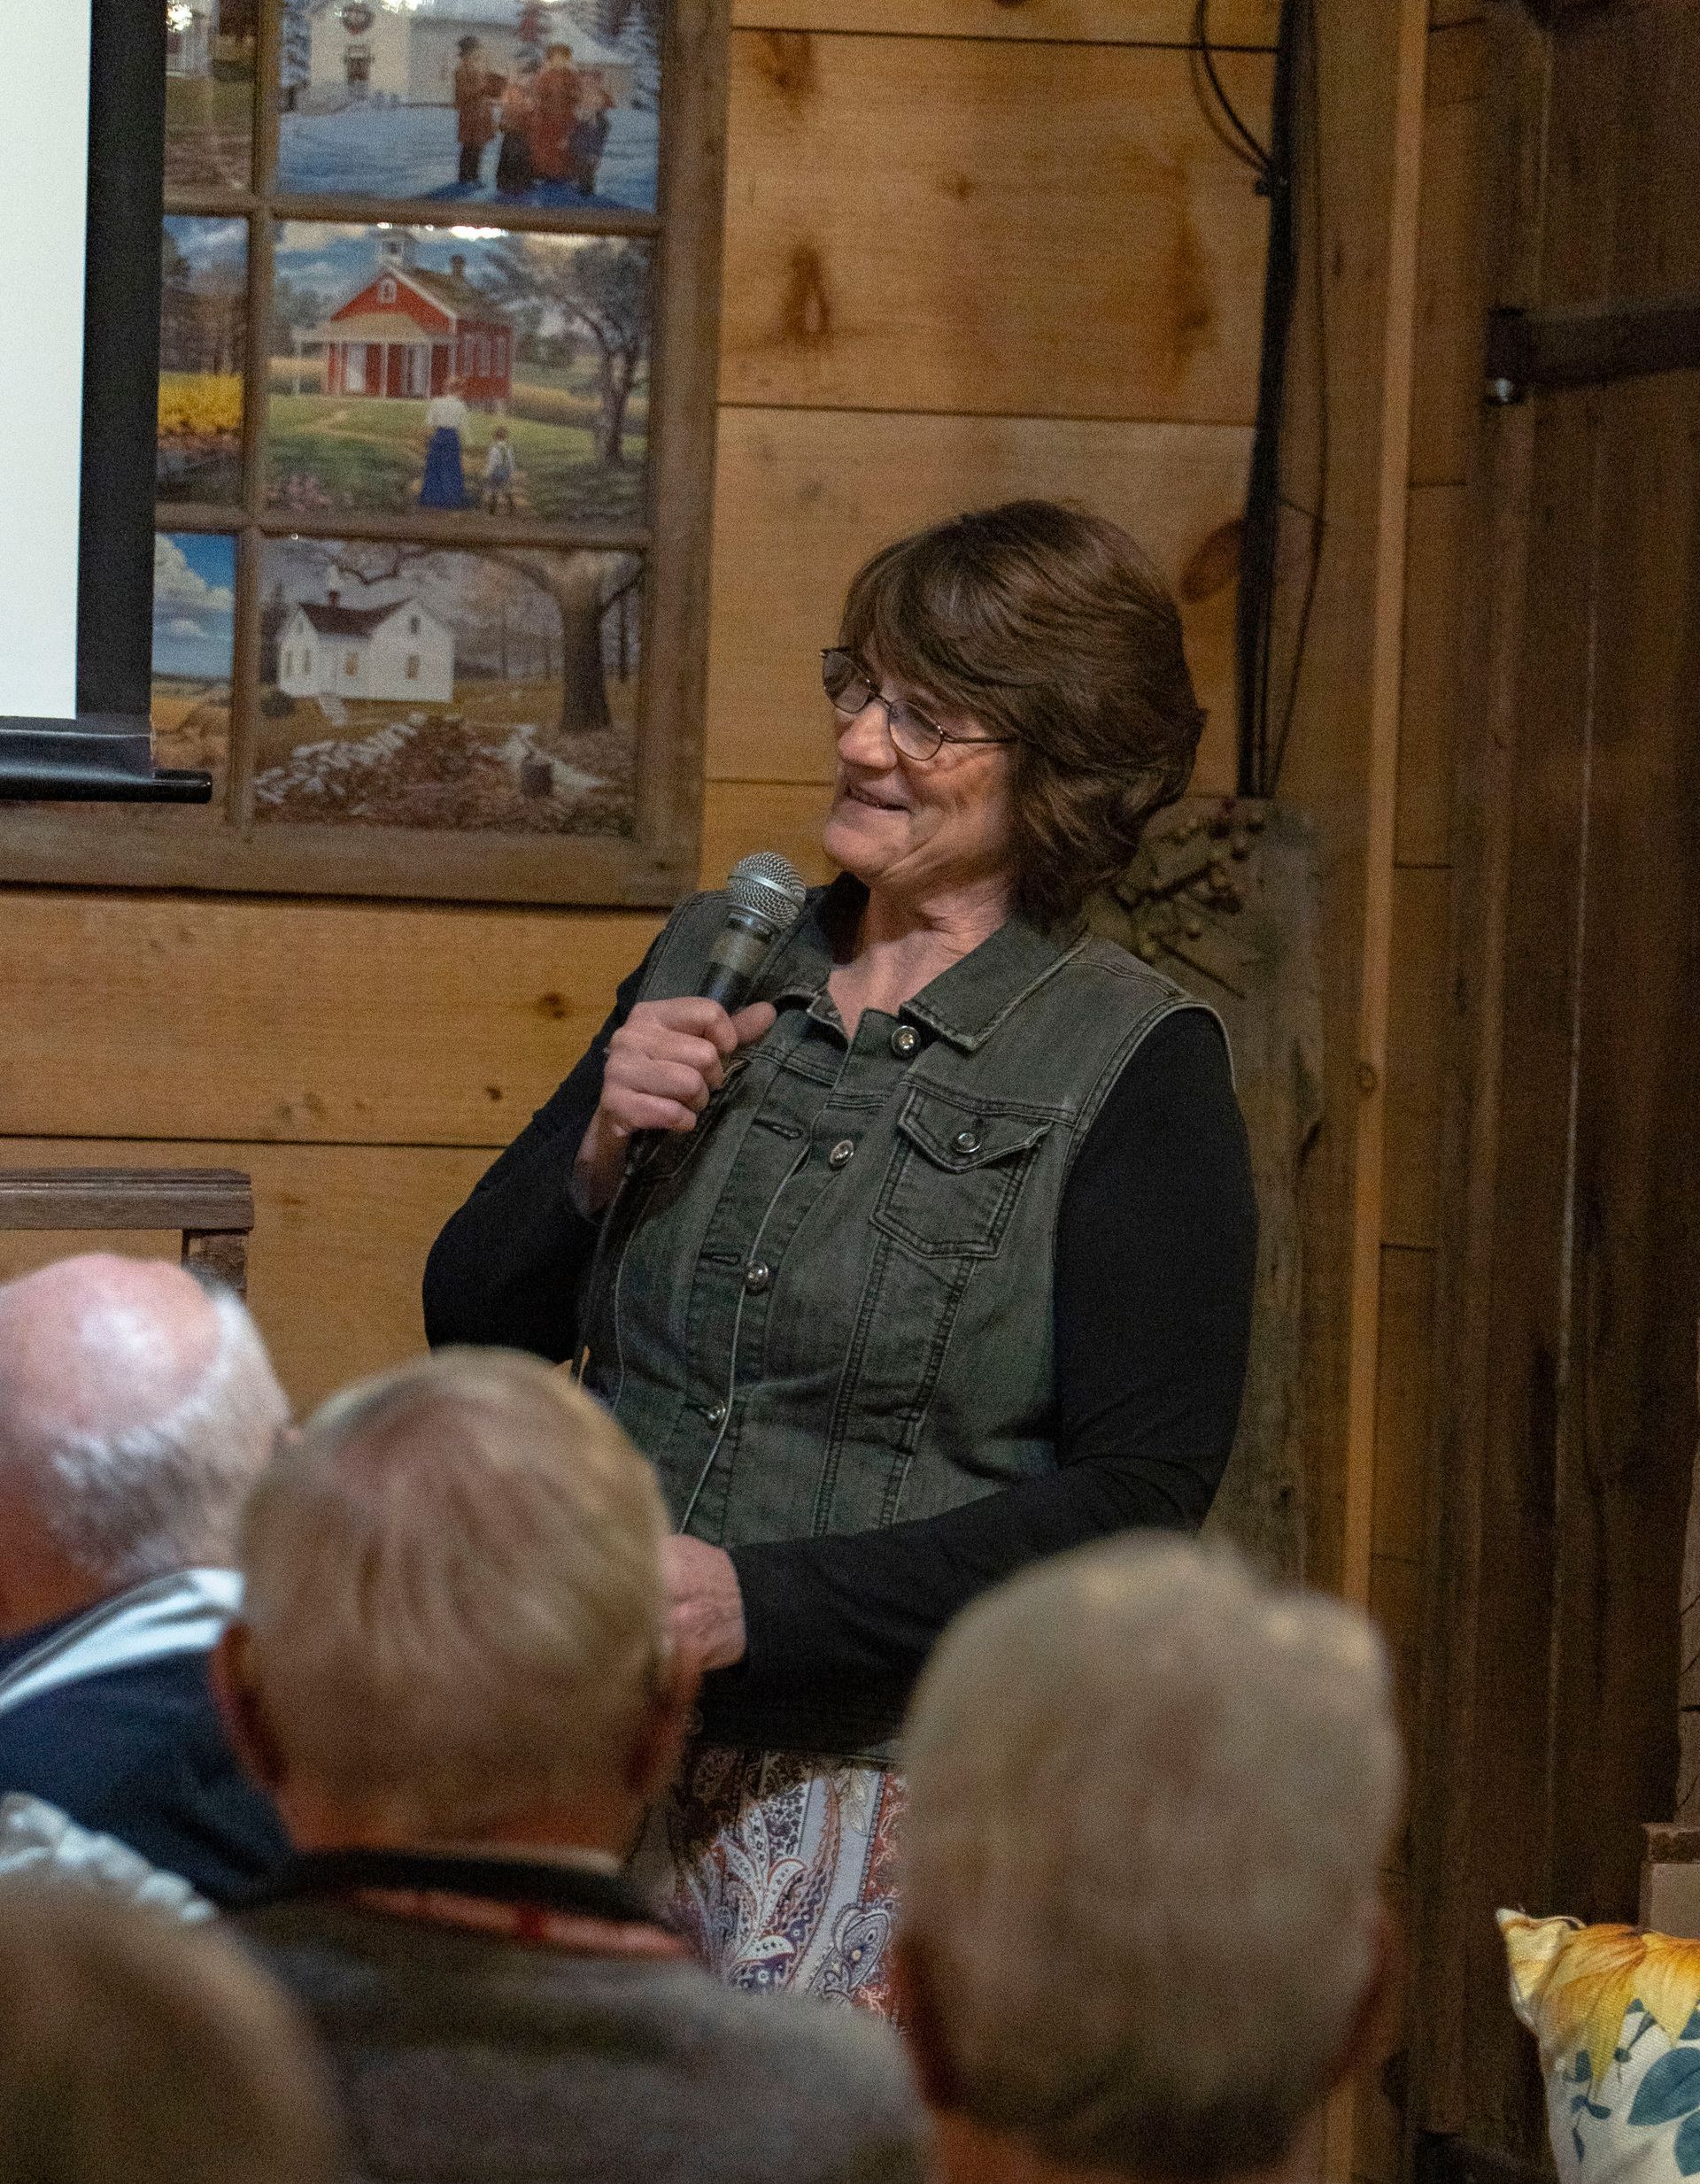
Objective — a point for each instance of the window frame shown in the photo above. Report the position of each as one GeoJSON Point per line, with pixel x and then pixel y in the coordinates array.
{"type": "Point", "coordinates": [220, 847]}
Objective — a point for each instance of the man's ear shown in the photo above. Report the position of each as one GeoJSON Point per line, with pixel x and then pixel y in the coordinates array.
{"type": "Point", "coordinates": [660, 1742]}
{"type": "Point", "coordinates": [230, 1673]}
{"type": "Point", "coordinates": [917, 2010]}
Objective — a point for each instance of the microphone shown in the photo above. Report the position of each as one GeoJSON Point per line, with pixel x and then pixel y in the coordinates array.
{"type": "Point", "coordinates": [765, 897]}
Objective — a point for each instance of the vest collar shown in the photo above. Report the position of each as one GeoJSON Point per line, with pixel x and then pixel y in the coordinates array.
{"type": "Point", "coordinates": [964, 1004]}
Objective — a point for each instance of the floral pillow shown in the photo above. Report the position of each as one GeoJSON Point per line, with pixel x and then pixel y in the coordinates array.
{"type": "Point", "coordinates": [1617, 2014]}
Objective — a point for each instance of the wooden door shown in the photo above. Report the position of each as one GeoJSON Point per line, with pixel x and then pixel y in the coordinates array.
{"type": "Point", "coordinates": [1571, 1243]}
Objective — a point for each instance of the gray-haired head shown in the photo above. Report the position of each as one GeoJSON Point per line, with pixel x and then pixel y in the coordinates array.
{"type": "Point", "coordinates": [453, 1605]}
{"type": "Point", "coordinates": [137, 1405]}
{"type": "Point", "coordinates": [1150, 1796]}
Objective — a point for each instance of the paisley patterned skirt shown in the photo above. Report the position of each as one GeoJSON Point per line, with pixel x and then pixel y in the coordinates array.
{"type": "Point", "coordinates": [779, 1870]}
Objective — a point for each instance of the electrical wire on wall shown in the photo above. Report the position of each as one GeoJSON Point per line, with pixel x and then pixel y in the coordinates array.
{"type": "Point", "coordinates": [1265, 716]}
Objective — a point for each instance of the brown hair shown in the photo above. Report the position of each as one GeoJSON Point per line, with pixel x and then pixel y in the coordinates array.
{"type": "Point", "coordinates": [1050, 626]}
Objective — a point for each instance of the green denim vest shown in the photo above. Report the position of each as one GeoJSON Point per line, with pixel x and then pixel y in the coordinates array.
{"type": "Point", "coordinates": [827, 1307]}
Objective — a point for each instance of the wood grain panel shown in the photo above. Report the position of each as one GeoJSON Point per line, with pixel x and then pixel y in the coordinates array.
{"type": "Point", "coordinates": [1403, 1402]}
{"type": "Point", "coordinates": [1626, 1432]}
{"type": "Point", "coordinates": [1379, 2132]}
{"type": "Point", "coordinates": [1624, 159]}
{"type": "Point", "coordinates": [739, 816]}
{"type": "Point", "coordinates": [1416, 1053]}
{"type": "Point", "coordinates": [804, 496]}
{"type": "Point", "coordinates": [160, 1016]}
{"type": "Point", "coordinates": [23, 1250]}
{"type": "Point", "coordinates": [989, 226]}
{"type": "Point", "coordinates": [1440, 565]}
{"type": "Point", "coordinates": [1106, 22]}
{"type": "Point", "coordinates": [1451, 296]}
{"type": "Point", "coordinates": [339, 1244]}
{"type": "Point", "coordinates": [1457, 62]}
{"type": "Point", "coordinates": [1395, 1603]}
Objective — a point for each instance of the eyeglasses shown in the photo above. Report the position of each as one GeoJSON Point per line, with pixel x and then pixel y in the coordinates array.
{"type": "Point", "coordinates": [852, 690]}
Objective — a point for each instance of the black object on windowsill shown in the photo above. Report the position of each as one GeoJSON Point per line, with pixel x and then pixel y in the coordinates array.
{"type": "Point", "coordinates": [98, 758]}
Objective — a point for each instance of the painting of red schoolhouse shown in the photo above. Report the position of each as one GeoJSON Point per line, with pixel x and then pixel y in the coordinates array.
{"type": "Point", "coordinates": [410, 332]}
{"type": "Point", "coordinates": [448, 368]}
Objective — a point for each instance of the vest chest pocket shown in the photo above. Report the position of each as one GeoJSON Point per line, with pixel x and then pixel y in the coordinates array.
{"type": "Point", "coordinates": [954, 1176]}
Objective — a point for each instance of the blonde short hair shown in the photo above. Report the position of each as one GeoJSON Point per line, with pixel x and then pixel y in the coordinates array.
{"type": "Point", "coordinates": [454, 1593]}
{"type": "Point", "coordinates": [1149, 1798]}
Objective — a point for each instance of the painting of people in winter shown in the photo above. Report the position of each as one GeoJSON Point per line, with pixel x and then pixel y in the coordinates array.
{"type": "Point", "coordinates": [194, 640]}
{"type": "Point", "coordinates": [548, 103]}
{"type": "Point", "coordinates": [209, 92]}
{"type": "Point", "coordinates": [444, 369]}
{"type": "Point", "coordinates": [204, 273]}
{"type": "Point", "coordinates": [404, 687]}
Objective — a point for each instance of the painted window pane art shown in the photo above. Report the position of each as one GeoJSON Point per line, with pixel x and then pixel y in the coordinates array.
{"type": "Point", "coordinates": [551, 103]}
{"type": "Point", "coordinates": [210, 93]}
{"type": "Point", "coordinates": [194, 635]}
{"type": "Point", "coordinates": [402, 686]}
{"type": "Point", "coordinates": [202, 302]}
{"type": "Point", "coordinates": [456, 369]}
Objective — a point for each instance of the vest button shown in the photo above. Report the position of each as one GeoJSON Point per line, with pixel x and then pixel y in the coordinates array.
{"type": "Point", "coordinates": [756, 1278]}
{"type": "Point", "coordinates": [967, 1141]}
{"type": "Point", "coordinates": [905, 1039]}
{"type": "Point", "coordinates": [842, 1154]}
{"type": "Point", "coordinates": [715, 1413]}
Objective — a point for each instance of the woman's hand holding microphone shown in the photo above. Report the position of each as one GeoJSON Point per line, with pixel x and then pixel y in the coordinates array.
{"type": "Point", "coordinates": [663, 1064]}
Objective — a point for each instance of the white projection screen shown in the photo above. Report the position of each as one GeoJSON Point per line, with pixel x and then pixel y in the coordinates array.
{"type": "Point", "coordinates": [41, 267]}
{"type": "Point", "coordinates": [79, 268]}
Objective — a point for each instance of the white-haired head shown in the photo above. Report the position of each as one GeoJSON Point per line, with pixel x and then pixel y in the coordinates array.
{"type": "Point", "coordinates": [136, 1406]}
{"type": "Point", "coordinates": [454, 1610]}
{"type": "Point", "coordinates": [1150, 1796]}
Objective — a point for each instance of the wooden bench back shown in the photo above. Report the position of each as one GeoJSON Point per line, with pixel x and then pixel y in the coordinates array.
{"type": "Point", "coordinates": [213, 1208]}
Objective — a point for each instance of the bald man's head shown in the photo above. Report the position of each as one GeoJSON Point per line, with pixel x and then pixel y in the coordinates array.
{"type": "Point", "coordinates": [136, 1409]}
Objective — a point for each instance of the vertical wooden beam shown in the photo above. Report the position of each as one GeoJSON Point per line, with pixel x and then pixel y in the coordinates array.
{"type": "Point", "coordinates": [1389, 516]}
{"type": "Point", "coordinates": [1457, 2050]}
{"type": "Point", "coordinates": [1386, 641]}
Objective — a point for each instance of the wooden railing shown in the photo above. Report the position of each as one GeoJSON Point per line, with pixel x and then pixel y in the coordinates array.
{"type": "Point", "coordinates": [212, 1208]}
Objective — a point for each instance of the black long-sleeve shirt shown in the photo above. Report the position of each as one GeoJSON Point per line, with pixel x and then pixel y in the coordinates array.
{"type": "Point", "coordinates": [1152, 1290]}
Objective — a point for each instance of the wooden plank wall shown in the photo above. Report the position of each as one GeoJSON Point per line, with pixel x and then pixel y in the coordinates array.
{"type": "Point", "coordinates": [1565, 1410]}
{"type": "Point", "coordinates": [1381, 402]}
{"type": "Point", "coordinates": [1439, 559]}
{"type": "Point", "coordinates": [973, 249]}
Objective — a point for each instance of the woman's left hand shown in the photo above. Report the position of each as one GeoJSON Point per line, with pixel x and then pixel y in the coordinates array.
{"type": "Point", "coordinates": [706, 1608]}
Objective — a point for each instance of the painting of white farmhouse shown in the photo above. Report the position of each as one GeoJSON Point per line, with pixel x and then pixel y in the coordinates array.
{"type": "Point", "coordinates": [399, 654]}
{"type": "Point", "coordinates": [405, 687]}
{"type": "Point", "coordinates": [425, 368]}
{"type": "Point", "coordinates": [550, 102]}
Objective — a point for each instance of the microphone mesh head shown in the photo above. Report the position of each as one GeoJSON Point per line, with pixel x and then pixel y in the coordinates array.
{"type": "Point", "coordinates": [769, 887]}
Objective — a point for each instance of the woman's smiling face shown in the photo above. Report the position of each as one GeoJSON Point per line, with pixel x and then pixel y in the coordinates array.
{"type": "Point", "coordinates": [918, 828]}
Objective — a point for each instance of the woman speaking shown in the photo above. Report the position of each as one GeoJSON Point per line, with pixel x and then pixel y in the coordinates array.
{"type": "Point", "coordinates": [938, 1256]}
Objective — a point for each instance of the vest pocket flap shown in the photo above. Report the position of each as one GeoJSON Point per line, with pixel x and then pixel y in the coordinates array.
{"type": "Point", "coordinates": [955, 1177]}
{"type": "Point", "coordinates": [955, 1138]}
